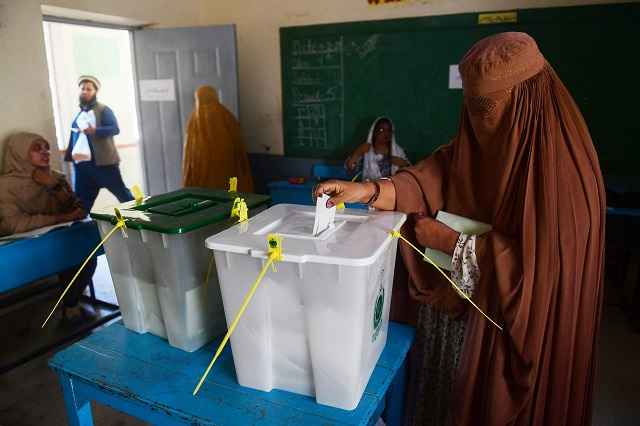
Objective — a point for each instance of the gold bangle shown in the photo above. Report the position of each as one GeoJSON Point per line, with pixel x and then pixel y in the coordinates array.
{"type": "Point", "coordinates": [375, 195]}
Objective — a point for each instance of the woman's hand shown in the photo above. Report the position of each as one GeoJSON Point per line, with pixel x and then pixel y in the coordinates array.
{"type": "Point", "coordinates": [43, 177]}
{"type": "Point", "coordinates": [351, 163]}
{"type": "Point", "coordinates": [398, 161]}
{"type": "Point", "coordinates": [434, 234]}
{"type": "Point", "coordinates": [353, 160]}
{"type": "Point", "coordinates": [341, 191]}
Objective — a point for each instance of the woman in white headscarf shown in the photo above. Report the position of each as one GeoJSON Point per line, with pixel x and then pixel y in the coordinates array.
{"type": "Point", "coordinates": [380, 155]}
{"type": "Point", "coordinates": [32, 195]}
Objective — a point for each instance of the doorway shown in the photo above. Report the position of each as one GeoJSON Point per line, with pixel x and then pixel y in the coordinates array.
{"type": "Point", "coordinates": [74, 50]}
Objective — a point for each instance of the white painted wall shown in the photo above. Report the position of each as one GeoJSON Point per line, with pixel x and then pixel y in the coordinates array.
{"type": "Point", "coordinates": [25, 103]}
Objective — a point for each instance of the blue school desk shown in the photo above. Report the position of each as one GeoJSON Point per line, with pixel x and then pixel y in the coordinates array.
{"type": "Point", "coordinates": [31, 259]}
{"type": "Point", "coordinates": [142, 375]}
{"type": "Point", "coordinates": [284, 192]}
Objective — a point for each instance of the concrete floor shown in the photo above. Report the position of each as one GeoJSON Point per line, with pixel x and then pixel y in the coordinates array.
{"type": "Point", "coordinates": [30, 394]}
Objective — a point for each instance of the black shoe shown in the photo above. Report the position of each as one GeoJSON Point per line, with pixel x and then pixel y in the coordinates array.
{"type": "Point", "coordinates": [71, 319]}
{"type": "Point", "coordinates": [88, 314]}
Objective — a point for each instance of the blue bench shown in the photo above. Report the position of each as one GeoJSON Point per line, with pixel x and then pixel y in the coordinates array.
{"type": "Point", "coordinates": [31, 259]}
{"type": "Point", "coordinates": [24, 262]}
{"type": "Point", "coordinates": [142, 375]}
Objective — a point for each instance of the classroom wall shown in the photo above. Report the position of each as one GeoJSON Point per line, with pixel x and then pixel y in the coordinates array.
{"type": "Point", "coordinates": [26, 98]}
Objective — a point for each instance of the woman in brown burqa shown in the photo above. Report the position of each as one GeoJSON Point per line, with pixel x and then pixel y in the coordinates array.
{"type": "Point", "coordinates": [523, 161]}
{"type": "Point", "coordinates": [214, 149]}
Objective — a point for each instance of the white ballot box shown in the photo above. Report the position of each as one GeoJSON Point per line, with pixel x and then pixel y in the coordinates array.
{"type": "Point", "coordinates": [317, 325]}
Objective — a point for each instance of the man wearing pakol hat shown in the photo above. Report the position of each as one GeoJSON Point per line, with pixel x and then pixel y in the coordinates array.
{"type": "Point", "coordinates": [92, 149]}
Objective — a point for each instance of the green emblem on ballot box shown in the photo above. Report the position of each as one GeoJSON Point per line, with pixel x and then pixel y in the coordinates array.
{"type": "Point", "coordinates": [377, 313]}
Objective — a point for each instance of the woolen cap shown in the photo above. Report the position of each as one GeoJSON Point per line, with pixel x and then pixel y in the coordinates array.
{"type": "Point", "coordinates": [90, 78]}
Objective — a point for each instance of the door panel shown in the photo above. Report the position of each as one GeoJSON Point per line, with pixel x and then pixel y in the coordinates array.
{"type": "Point", "coordinates": [190, 57]}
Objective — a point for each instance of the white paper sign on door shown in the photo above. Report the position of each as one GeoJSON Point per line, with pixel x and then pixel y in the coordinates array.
{"type": "Point", "coordinates": [157, 90]}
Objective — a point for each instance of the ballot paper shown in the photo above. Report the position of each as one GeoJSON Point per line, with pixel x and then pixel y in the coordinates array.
{"type": "Point", "coordinates": [86, 118]}
{"type": "Point", "coordinates": [457, 223]}
{"type": "Point", "coordinates": [81, 150]}
{"type": "Point", "coordinates": [324, 217]}
{"type": "Point", "coordinates": [34, 233]}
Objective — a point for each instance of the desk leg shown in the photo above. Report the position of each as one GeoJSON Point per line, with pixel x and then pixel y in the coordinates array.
{"type": "Point", "coordinates": [395, 397]}
{"type": "Point", "coordinates": [78, 407]}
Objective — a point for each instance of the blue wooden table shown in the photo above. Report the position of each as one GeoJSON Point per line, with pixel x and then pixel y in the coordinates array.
{"type": "Point", "coordinates": [142, 375]}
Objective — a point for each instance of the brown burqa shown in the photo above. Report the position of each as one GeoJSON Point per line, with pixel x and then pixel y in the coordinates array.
{"type": "Point", "coordinates": [214, 149]}
{"type": "Point", "coordinates": [522, 160]}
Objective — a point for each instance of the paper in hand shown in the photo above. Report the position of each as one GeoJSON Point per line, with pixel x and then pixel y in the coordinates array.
{"type": "Point", "coordinates": [324, 217]}
{"type": "Point", "coordinates": [460, 224]}
{"type": "Point", "coordinates": [86, 118]}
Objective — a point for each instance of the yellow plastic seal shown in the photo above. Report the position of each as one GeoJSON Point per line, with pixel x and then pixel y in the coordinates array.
{"type": "Point", "coordinates": [137, 193]}
{"type": "Point", "coordinates": [397, 234]}
{"type": "Point", "coordinates": [119, 224]}
{"type": "Point", "coordinates": [233, 184]}
{"type": "Point", "coordinates": [235, 208]}
{"type": "Point", "coordinates": [275, 253]}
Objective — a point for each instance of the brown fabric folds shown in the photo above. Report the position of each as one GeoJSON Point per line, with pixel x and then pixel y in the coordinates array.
{"type": "Point", "coordinates": [489, 68]}
{"type": "Point", "coordinates": [214, 149]}
{"type": "Point", "coordinates": [530, 169]}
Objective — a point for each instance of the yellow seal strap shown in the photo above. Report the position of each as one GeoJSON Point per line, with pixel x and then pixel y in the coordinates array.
{"type": "Point", "coordinates": [233, 184]}
{"type": "Point", "coordinates": [241, 210]}
{"type": "Point", "coordinates": [137, 193]}
{"type": "Point", "coordinates": [119, 224]}
{"type": "Point", "coordinates": [275, 253]}
{"type": "Point", "coordinates": [397, 234]}
{"type": "Point", "coordinates": [206, 281]}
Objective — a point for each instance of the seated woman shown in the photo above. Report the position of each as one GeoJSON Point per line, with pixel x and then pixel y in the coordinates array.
{"type": "Point", "coordinates": [33, 196]}
{"type": "Point", "coordinates": [380, 155]}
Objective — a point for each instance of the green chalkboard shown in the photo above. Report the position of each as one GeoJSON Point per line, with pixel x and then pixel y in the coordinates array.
{"type": "Point", "coordinates": [337, 78]}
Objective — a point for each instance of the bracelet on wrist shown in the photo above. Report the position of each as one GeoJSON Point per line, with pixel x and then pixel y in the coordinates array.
{"type": "Point", "coordinates": [376, 193]}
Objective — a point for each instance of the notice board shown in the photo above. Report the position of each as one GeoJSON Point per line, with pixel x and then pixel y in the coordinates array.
{"type": "Point", "coordinates": [337, 78]}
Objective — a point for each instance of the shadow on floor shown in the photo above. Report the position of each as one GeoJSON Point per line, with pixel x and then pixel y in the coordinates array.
{"type": "Point", "coordinates": [23, 314]}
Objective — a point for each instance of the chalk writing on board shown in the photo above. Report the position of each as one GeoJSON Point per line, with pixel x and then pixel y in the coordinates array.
{"type": "Point", "coordinates": [327, 95]}
{"type": "Point", "coordinates": [303, 78]}
{"type": "Point", "coordinates": [367, 47]}
{"type": "Point", "coordinates": [311, 47]}
{"type": "Point", "coordinates": [316, 87]}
